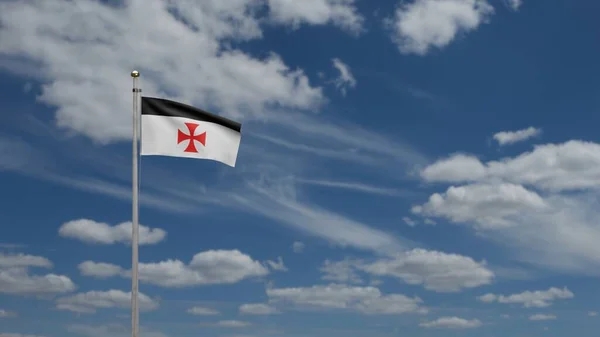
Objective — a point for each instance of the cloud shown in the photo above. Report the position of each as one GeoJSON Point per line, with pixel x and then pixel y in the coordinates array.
{"type": "Point", "coordinates": [511, 137]}
{"type": "Point", "coordinates": [366, 300]}
{"type": "Point", "coordinates": [341, 13]}
{"type": "Point", "coordinates": [277, 265]}
{"type": "Point", "coordinates": [99, 269]}
{"type": "Point", "coordinates": [541, 204]}
{"type": "Point", "coordinates": [569, 166]}
{"type": "Point", "coordinates": [16, 279]}
{"type": "Point", "coordinates": [421, 25]}
{"type": "Point", "coordinates": [530, 299]}
{"type": "Point", "coordinates": [436, 271]}
{"type": "Point", "coordinates": [102, 38]}
{"type": "Point", "coordinates": [452, 323]}
{"type": "Point", "coordinates": [593, 313]}
{"type": "Point", "coordinates": [17, 335]}
{"type": "Point", "coordinates": [90, 301]}
{"type": "Point", "coordinates": [22, 260]}
{"type": "Point", "coordinates": [229, 324]}
{"type": "Point", "coordinates": [258, 309]}
{"type": "Point", "coordinates": [515, 4]}
{"type": "Point", "coordinates": [345, 80]}
{"type": "Point", "coordinates": [115, 330]}
{"type": "Point", "coordinates": [542, 317]}
{"type": "Point", "coordinates": [488, 206]}
{"type": "Point", "coordinates": [298, 247]}
{"type": "Point", "coordinates": [201, 311]}
{"type": "Point", "coordinates": [7, 314]}
{"type": "Point", "coordinates": [340, 271]}
{"type": "Point", "coordinates": [91, 231]}
{"type": "Point", "coordinates": [208, 267]}
{"type": "Point", "coordinates": [410, 222]}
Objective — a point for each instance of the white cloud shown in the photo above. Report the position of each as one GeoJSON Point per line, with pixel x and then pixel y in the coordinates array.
{"type": "Point", "coordinates": [102, 40]}
{"type": "Point", "coordinates": [209, 267]}
{"type": "Point", "coordinates": [231, 324]}
{"type": "Point", "coordinates": [91, 231]}
{"type": "Point", "coordinates": [258, 309]}
{"type": "Point", "coordinates": [341, 13]}
{"type": "Point", "coordinates": [457, 168]}
{"type": "Point", "coordinates": [345, 80]}
{"type": "Point", "coordinates": [6, 313]}
{"type": "Point", "coordinates": [410, 222]}
{"type": "Point", "coordinates": [22, 260]}
{"type": "Point", "coordinates": [541, 204]}
{"type": "Point", "coordinates": [201, 311]}
{"type": "Point", "coordinates": [90, 301]}
{"type": "Point", "coordinates": [340, 271]}
{"type": "Point", "coordinates": [542, 317]}
{"type": "Point", "coordinates": [573, 165]}
{"type": "Point", "coordinates": [17, 335]}
{"type": "Point", "coordinates": [99, 269]}
{"type": "Point", "coordinates": [114, 330]}
{"type": "Point", "coordinates": [298, 247]}
{"type": "Point", "coordinates": [593, 313]}
{"type": "Point", "coordinates": [421, 25]}
{"type": "Point", "coordinates": [530, 299]}
{"type": "Point", "coordinates": [366, 300]}
{"type": "Point", "coordinates": [452, 323]}
{"type": "Point", "coordinates": [435, 270]}
{"type": "Point", "coordinates": [515, 4]}
{"type": "Point", "coordinates": [511, 137]}
{"type": "Point", "coordinates": [487, 205]}
{"type": "Point", "coordinates": [16, 279]}
{"type": "Point", "coordinates": [277, 265]}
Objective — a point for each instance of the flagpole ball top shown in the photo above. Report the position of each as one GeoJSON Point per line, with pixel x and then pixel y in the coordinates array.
{"type": "Point", "coordinates": [135, 74]}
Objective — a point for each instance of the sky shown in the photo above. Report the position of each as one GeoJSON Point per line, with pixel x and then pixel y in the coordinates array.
{"type": "Point", "coordinates": [421, 168]}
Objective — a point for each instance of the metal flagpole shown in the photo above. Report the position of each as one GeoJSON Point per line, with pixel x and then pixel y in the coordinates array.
{"type": "Point", "coordinates": [134, 210]}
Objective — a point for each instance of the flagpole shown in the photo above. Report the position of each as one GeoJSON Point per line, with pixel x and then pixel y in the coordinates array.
{"type": "Point", "coordinates": [135, 210]}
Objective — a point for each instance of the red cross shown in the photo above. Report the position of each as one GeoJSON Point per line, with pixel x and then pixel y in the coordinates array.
{"type": "Point", "coordinates": [191, 137]}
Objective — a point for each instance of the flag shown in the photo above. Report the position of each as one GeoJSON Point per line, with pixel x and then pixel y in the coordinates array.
{"type": "Point", "coordinates": [175, 129]}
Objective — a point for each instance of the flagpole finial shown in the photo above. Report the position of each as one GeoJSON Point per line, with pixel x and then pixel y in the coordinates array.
{"type": "Point", "coordinates": [135, 74]}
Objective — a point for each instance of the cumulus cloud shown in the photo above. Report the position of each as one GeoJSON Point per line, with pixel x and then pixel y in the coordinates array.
{"type": "Point", "coordinates": [258, 309]}
{"type": "Point", "coordinates": [541, 203]}
{"type": "Point", "coordinates": [209, 267]}
{"type": "Point", "coordinates": [530, 299]}
{"type": "Point", "coordinates": [91, 231]}
{"type": "Point", "coordinates": [201, 311]}
{"type": "Point", "coordinates": [452, 323]}
{"type": "Point", "coordinates": [90, 301]}
{"type": "Point", "coordinates": [511, 137]}
{"type": "Point", "coordinates": [340, 271]}
{"type": "Point", "coordinates": [573, 165]}
{"type": "Point", "coordinates": [342, 13]}
{"type": "Point", "coordinates": [366, 300]}
{"type": "Point", "coordinates": [434, 270]}
{"type": "Point", "coordinates": [16, 278]}
{"type": "Point", "coordinates": [486, 205]}
{"type": "Point", "coordinates": [420, 25]}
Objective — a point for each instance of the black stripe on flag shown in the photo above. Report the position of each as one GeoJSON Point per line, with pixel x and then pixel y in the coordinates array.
{"type": "Point", "coordinates": [165, 107]}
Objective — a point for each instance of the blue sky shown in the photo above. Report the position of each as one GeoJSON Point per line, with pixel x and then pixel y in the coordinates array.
{"type": "Point", "coordinates": [407, 168]}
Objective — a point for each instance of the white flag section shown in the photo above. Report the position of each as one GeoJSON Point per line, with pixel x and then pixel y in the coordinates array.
{"type": "Point", "coordinates": [189, 138]}
{"type": "Point", "coordinates": [174, 129]}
